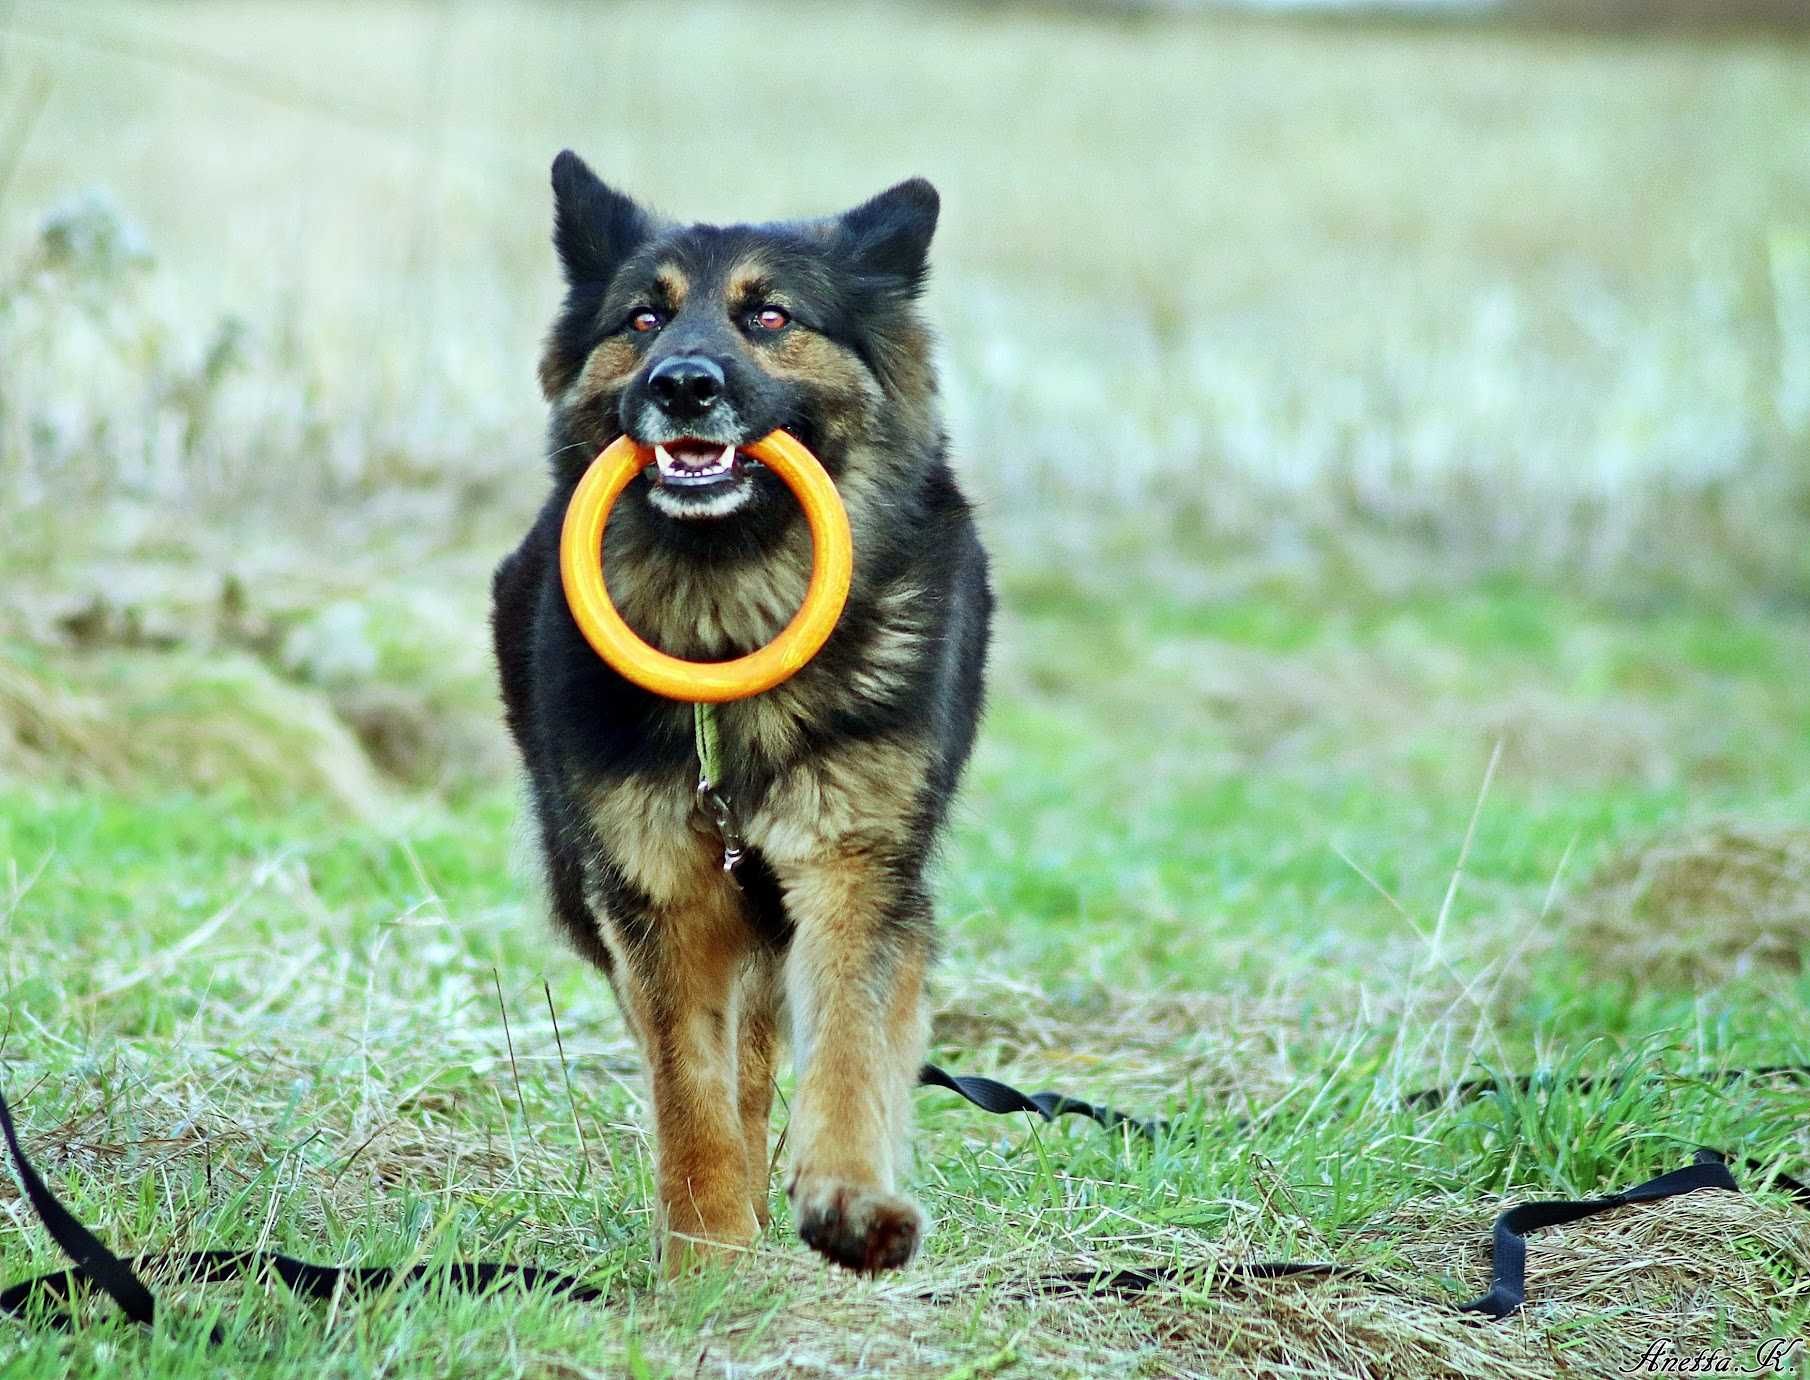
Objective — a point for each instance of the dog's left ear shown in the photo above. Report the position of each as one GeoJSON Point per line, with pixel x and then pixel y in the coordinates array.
{"type": "Point", "coordinates": [890, 235]}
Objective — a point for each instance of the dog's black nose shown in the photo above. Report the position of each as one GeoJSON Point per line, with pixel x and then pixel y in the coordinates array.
{"type": "Point", "coordinates": [686, 386]}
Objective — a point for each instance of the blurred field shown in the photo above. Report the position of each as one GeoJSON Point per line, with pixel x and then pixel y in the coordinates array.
{"type": "Point", "coordinates": [1395, 444]}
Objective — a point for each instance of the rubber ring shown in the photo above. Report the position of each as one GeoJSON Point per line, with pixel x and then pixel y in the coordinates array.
{"type": "Point", "coordinates": [581, 572]}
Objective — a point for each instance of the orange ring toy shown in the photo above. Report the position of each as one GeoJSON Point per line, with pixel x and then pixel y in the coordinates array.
{"type": "Point", "coordinates": [581, 571]}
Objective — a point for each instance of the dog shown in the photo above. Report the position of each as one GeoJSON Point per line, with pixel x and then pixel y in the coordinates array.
{"type": "Point", "coordinates": [696, 340]}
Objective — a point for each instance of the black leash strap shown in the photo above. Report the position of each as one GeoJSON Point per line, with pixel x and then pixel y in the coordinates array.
{"type": "Point", "coordinates": [1473, 1088]}
{"type": "Point", "coordinates": [1508, 1249]}
{"type": "Point", "coordinates": [96, 1267]}
{"type": "Point", "coordinates": [93, 1261]}
{"type": "Point", "coordinates": [1508, 1244]}
{"type": "Point", "coordinates": [990, 1095]}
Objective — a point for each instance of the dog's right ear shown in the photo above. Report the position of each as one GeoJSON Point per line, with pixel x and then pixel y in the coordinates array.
{"type": "Point", "coordinates": [594, 226]}
{"type": "Point", "coordinates": [889, 235]}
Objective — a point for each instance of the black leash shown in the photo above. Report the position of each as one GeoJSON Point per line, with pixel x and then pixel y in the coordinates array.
{"type": "Point", "coordinates": [990, 1095]}
{"type": "Point", "coordinates": [97, 1267]}
{"type": "Point", "coordinates": [1508, 1243]}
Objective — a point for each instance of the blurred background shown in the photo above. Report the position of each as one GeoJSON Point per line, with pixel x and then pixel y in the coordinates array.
{"type": "Point", "coordinates": [1356, 396]}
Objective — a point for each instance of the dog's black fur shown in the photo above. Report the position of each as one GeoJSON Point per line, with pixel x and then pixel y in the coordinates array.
{"type": "Point", "coordinates": [850, 375]}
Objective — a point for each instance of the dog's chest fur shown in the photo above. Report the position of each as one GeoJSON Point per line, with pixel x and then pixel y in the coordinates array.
{"type": "Point", "coordinates": [795, 797]}
{"type": "Point", "coordinates": [860, 796]}
{"type": "Point", "coordinates": [708, 611]}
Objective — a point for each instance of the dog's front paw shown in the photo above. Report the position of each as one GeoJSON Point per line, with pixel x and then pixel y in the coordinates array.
{"type": "Point", "coordinates": [680, 1253]}
{"type": "Point", "coordinates": [712, 1224]}
{"type": "Point", "coordinates": [856, 1226]}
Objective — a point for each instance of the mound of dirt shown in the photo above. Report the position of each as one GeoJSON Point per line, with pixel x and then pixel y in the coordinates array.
{"type": "Point", "coordinates": [180, 718]}
{"type": "Point", "coordinates": [1697, 906]}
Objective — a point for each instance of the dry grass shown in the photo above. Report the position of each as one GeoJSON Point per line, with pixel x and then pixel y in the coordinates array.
{"type": "Point", "coordinates": [1696, 907]}
{"type": "Point", "coordinates": [220, 723]}
{"type": "Point", "coordinates": [1694, 1272]}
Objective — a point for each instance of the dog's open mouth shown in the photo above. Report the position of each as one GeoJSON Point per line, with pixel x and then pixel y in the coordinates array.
{"type": "Point", "coordinates": [698, 464]}
{"type": "Point", "coordinates": [700, 479]}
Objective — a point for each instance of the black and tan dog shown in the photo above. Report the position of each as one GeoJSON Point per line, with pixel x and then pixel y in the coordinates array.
{"type": "Point", "coordinates": [700, 339]}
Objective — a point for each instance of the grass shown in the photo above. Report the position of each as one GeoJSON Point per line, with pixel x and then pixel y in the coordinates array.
{"type": "Point", "coordinates": [233, 1023]}
{"type": "Point", "coordinates": [1400, 513]}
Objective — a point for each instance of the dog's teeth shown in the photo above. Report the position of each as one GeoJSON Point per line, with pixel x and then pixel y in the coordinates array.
{"type": "Point", "coordinates": [689, 467]}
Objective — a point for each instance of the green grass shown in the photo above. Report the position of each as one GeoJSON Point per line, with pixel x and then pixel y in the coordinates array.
{"type": "Point", "coordinates": [1170, 912]}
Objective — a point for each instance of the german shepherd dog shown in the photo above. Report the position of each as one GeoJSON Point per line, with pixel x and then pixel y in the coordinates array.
{"type": "Point", "coordinates": [697, 340]}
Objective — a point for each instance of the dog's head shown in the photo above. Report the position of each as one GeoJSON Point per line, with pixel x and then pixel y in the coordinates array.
{"type": "Point", "coordinates": [701, 339]}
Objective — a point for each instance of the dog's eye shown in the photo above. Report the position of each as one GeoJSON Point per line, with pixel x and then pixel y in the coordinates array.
{"type": "Point", "coordinates": [646, 320]}
{"type": "Point", "coordinates": [769, 319]}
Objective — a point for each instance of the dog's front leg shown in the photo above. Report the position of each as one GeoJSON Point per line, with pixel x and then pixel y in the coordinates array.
{"type": "Point", "coordinates": [855, 987]}
{"type": "Point", "coordinates": [760, 1013]}
{"type": "Point", "coordinates": [679, 983]}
